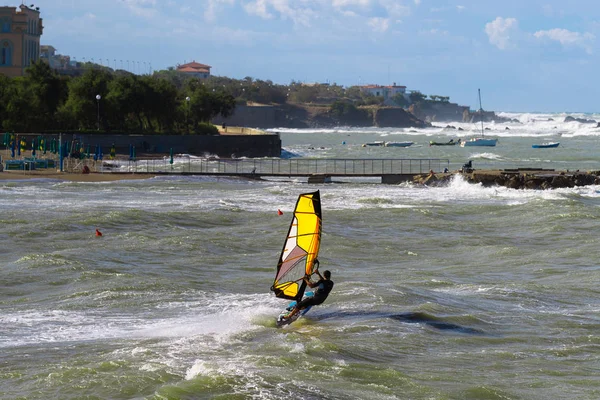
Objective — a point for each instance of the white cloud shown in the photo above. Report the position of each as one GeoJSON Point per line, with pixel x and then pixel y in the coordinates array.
{"type": "Point", "coordinates": [210, 14]}
{"type": "Point", "coordinates": [142, 8]}
{"type": "Point", "coordinates": [417, 2]}
{"type": "Point", "coordinates": [434, 32]}
{"type": "Point", "coordinates": [568, 38]}
{"type": "Point", "coordinates": [349, 14]}
{"type": "Point", "coordinates": [502, 32]}
{"type": "Point", "coordinates": [379, 24]}
{"type": "Point", "coordinates": [394, 9]}
{"type": "Point", "coordinates": [258, 8]}
{"type": "Point", "coordinates": [345, 3]}
{"type": "Point", "coordinates": [300, 16]}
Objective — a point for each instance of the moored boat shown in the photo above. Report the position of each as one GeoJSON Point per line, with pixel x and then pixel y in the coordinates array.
{"type": "Point", "coordinates": [398, 144]}
{"type": "Point", "coordinates": [479, 141]}
{"type": "Point", "coordinates": [451, 142]}
{"type": "Point", "coordinates": [376, 143]}
{"type": "Point", "coordinates": [548, 145]}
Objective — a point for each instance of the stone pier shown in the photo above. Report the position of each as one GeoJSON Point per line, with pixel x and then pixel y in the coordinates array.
{"type": "Point", "coordinates": [518, 178]}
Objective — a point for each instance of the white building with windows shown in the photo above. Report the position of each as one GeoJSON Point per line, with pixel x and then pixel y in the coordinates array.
{"type": "Point", "coordinates": [387, 92]}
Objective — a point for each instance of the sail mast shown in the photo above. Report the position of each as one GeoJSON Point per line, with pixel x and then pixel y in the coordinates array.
{"type": "Point", "coordinates": [480, 111]}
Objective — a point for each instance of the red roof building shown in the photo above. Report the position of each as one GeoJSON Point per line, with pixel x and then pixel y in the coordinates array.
{"type": "Point", "coordinates": [195, 69]}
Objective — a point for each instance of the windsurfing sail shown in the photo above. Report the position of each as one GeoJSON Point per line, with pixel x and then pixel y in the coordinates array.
{"type": "Point", "coordinates": [300, 249]}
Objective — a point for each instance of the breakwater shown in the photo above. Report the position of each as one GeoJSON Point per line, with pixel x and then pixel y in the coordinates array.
{"type": "Point", "coordinates": [518, 178]}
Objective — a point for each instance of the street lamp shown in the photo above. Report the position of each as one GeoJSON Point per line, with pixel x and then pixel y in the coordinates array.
{"type": "Point", "coordinates": [187, 114]}
{"type": "Point", "coordinates": [98, 97]}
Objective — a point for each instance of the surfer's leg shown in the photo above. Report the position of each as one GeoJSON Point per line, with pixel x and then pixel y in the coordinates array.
{"type": "Point", "coordinates": [307, 302]}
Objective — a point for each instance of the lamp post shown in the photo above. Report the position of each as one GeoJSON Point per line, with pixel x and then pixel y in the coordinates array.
{"type": "Point", "coordinates": [187, 114]}
{"type": "Point", "coordinates": [98, 97]}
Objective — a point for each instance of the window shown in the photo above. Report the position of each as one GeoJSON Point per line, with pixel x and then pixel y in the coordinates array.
{"type": "Point", "coordinates": [5, 25]}
{"type": "Point", "coordinates": [5, 53]}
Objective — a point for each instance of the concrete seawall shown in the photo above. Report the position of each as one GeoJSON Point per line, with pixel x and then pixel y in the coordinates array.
{"type": "Point", "coordinates": [235, 142]}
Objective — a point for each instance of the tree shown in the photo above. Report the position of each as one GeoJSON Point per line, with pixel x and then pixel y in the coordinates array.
{"type": "Point", "coordinates": [206, 104]}
{"type": "Point", "coordinates": [163, 103]}
{"type": "Point", "coordinates": [400, 100]}
{"type": "Point", "coordinates": [125, 100]}
{"type": "Point", "coordinates": [417, 97]}
{"type": "Point", "coordinates": [80, 109]}
{"type": "Point", "coordinates": [349, 112]}
{"type": "Point", "coordinates": [18, 106]}
{"type": "Point", "coordinates": [48, 92]}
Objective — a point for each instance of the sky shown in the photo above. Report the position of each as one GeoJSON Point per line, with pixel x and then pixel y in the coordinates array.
{"type": "Point", "coordinates": [524, 55]}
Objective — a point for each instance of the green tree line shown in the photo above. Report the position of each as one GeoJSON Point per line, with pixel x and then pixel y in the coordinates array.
{"type": "Point", "coordinates": [108, 101]}
{"type": "Point", "coordinates": [166, 102]}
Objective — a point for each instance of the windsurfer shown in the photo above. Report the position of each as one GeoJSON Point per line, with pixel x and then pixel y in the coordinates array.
{"type": "Point", "coordinates": [323, 285]}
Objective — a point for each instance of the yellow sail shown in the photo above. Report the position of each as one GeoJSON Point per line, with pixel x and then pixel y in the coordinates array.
{"type": "Point", "coordinates": [300, 249]}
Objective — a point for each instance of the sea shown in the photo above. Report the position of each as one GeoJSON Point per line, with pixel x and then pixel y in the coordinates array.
{"type": "Point", "coordinates": [454, 292]}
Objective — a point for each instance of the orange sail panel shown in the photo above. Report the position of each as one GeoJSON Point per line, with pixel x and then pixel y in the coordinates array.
{"type": "Point", "coordinates": [300, 249]}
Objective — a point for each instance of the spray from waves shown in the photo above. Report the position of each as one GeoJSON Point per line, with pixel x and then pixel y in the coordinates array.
{"type": "Point", "coordinates": [524, 125]}
{"type": "Point", "coordinates": [459, 190]}
{"type": "Point", "coordinates": [348, 129]}
{"type": "Point", "coordinates": [210, 314]}
{"type": "Point", "coordinates": [486, 156]}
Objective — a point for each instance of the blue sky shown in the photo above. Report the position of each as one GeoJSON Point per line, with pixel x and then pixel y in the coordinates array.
{"type": "Point", "coordinates": [525, 55]}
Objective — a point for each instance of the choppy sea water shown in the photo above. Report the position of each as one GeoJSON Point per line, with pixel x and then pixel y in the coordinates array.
{"type": "Point", "coordinates": [458, 292]}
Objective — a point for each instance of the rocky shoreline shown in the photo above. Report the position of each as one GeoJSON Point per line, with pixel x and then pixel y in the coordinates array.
{"type": "Point", "coordinates": [303, 116]}
{"type": "Point", "coordinates": [520, 178]}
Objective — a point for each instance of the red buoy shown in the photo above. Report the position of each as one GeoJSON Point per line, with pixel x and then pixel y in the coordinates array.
{"type": "Point", "coordinates": [279, 212]}
{"type": "Point", "coordinates": [98, 233]}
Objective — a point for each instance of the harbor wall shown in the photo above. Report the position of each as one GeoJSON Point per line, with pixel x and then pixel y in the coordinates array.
{"type": "Point", "coordinates": [226, 145]}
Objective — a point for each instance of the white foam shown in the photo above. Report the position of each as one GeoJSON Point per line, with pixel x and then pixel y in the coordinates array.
{"type": "Point", "coordinates": [216, 315]}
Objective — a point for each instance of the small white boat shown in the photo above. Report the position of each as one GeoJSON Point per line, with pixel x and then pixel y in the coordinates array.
{"type": "Point", "coordinates": [376, 143]}
{"type": "Point", "coordinates": [545, 145]}
{"type": "Point", "coordinates": [398, 144]}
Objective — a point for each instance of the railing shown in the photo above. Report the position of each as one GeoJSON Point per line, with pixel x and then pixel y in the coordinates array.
{"type": "Point", "coordinates": [278, 167]}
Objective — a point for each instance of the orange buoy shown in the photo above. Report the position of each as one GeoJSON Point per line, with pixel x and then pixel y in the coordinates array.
{"type": "Point", "coordinates": [279, 212]}
{"type": "Point", "coordinates": [98, 233]}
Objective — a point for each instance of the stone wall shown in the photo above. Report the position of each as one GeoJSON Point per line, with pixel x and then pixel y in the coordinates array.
{"type": "Point", "coordinates": [268, 145]}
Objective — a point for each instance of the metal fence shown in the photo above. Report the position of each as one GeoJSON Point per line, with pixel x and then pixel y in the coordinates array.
{"type": "Point", "coordinates": [278, 167]}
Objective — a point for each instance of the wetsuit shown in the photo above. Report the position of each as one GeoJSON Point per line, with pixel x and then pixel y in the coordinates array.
{"type": "Point", "coordinates": [323, 287]}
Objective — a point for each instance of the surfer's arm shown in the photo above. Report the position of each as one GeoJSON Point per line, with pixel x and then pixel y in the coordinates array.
{"type": "Point", "coordinates": [309, 283]}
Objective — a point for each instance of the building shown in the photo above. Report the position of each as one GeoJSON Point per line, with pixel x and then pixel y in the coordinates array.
{"type": "Point", "coordinates": [387, 92]}
{"type": "Point", "coordinates": [195, 69]}
{"type": "Point", "coordinates": [55, 61]}
{"type": "Point", "coordinates": [20, 31]}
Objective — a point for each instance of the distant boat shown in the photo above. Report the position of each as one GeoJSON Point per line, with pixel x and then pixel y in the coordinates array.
{"type": "Point", "coordinates": [398, 144]}
{"type": "Point", "coordinates": [545, 145]}
{"type": "Point", "coordinates": [376, 143]}
{"type": "Point", "coordinates": [480, 141]}
{"type": "Point", "coordinates": [451, 142]}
